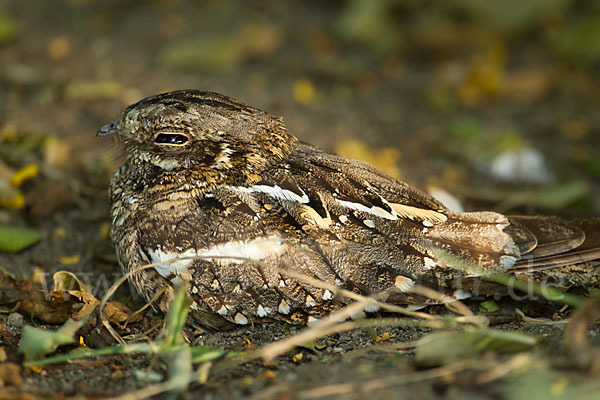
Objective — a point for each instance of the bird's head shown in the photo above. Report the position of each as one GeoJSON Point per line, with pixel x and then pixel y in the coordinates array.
{"type": "Point", "coordinates": [200, 130]}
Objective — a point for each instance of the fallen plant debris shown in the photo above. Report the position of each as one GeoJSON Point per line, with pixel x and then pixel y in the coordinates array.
{"type": "Point", "coordinates": [459, 349]}
{"type": "Point", "coordinates": [29, 298]}
{"type": "Point", "coordinates": [68, 299]}
{"type": "Point", "coordinates": [67, 282]}
{"type": "Point", "coordinates": [447, 347]}
{"type": "Point", "coordinates": [14, 238]}
{"type": "Point", "coordinates": [460, 339]}
{"type": "Point", "coordinates": [448, 350]}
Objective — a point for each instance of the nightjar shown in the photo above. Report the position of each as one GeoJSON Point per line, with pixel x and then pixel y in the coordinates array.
{"type": "Point", "coordinates": [205, 175]}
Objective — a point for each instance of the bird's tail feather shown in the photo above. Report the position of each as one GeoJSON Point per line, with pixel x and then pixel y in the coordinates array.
{"type": "Point", "coordinates": [567, 253]}
{"type": "Point", "coordinates": [549, 250]}
{"type": "Point", "coordinates": [558, 242]}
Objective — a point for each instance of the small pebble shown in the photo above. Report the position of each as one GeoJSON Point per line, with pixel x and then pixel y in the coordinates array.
{"type": "Point", "coordinates": [15, 320]}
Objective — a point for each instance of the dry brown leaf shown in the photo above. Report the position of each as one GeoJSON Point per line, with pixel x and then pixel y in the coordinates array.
{"type": "Point", "coordinates": [65, 282]}
{"type": "Point", "coordinates": [57, 306]}
{"type": "Point", "coordinates": [32, 300]}
{"type": "Point", "coordinates": [119, 312]}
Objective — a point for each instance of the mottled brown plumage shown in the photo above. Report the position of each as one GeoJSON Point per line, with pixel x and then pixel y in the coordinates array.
{"type": "Point", "coordinates": [206, 175]}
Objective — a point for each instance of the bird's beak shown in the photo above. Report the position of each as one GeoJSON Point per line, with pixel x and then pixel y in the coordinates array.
{"type": "Point", "coordinates": [108, 129]}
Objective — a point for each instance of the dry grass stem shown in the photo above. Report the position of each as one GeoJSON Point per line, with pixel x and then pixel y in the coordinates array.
{"type": "Point", "coordinates": [367, 301]}
{"type": "Point", "coordinates": [141, 309]}
{"type": "Point", "coordinates": [327, 326]}
{"type": "Point", "coordinates": [450, 302]}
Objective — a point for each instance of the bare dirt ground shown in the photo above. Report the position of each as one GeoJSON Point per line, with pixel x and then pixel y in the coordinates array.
{"type": "Point", "coordinates": [433, 94]}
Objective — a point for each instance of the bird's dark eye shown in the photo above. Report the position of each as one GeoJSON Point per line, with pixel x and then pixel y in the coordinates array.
{"type": "Point", "coordinates": [170, 138]}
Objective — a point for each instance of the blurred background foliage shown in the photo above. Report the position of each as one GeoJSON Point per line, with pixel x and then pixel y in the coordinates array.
{"type": "Point", "coordinates": [495, 102]}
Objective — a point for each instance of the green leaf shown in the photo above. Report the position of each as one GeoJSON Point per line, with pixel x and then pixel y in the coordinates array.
{"type": "Point", "coordinates": [209, 53]}
{"type": "Point", "coordinates": [578, 42]}
{"type": "Point", "coordinates": [593, 165]}
{"type": "Point", "coordinates": [14, 238]}
{"type": "Point", "coordinates": [8, 28]}
{"type": "Point", "coordinates": [203, 353]}
{"type": "Point", "coordinates": [180, 365]}
{"type": "Point", "coordinates": [466, 129]}
{"type": "Point", "coordinates": [562, 194]}
{"type": "Point", "coordinates": [314, 346]}
{"type": "Point", "coordinates": [177, 315]}
{"type": "Point", "coordinates": [539, 382]}
{"type": "Point", "coordinates": [288, 327]}
{"type": "Point", "coordinates": [371, 332]}
{"type": "Point", "coordinates": [369, 22]}
{"type": "Point", "coordinates": [38, 342]}
{"type": "Point", "coordinates": [147, 376]}
{"type": "Point", "coordinates": [442, 348]}
{"type": "Point", "coordinates": [488, 306]}
{"type": "Point", "coordinates": [93, 90]}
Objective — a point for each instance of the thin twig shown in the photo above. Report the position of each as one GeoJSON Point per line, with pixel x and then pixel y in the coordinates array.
{"type": "Point", "coordinates": [136, 337]}
{"type": "Point", "coordinates": [131, 316]}
{"type": "Point", "coordinates": [539, 321]}
{"type": "Point", "coordinates": [452, 303]}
